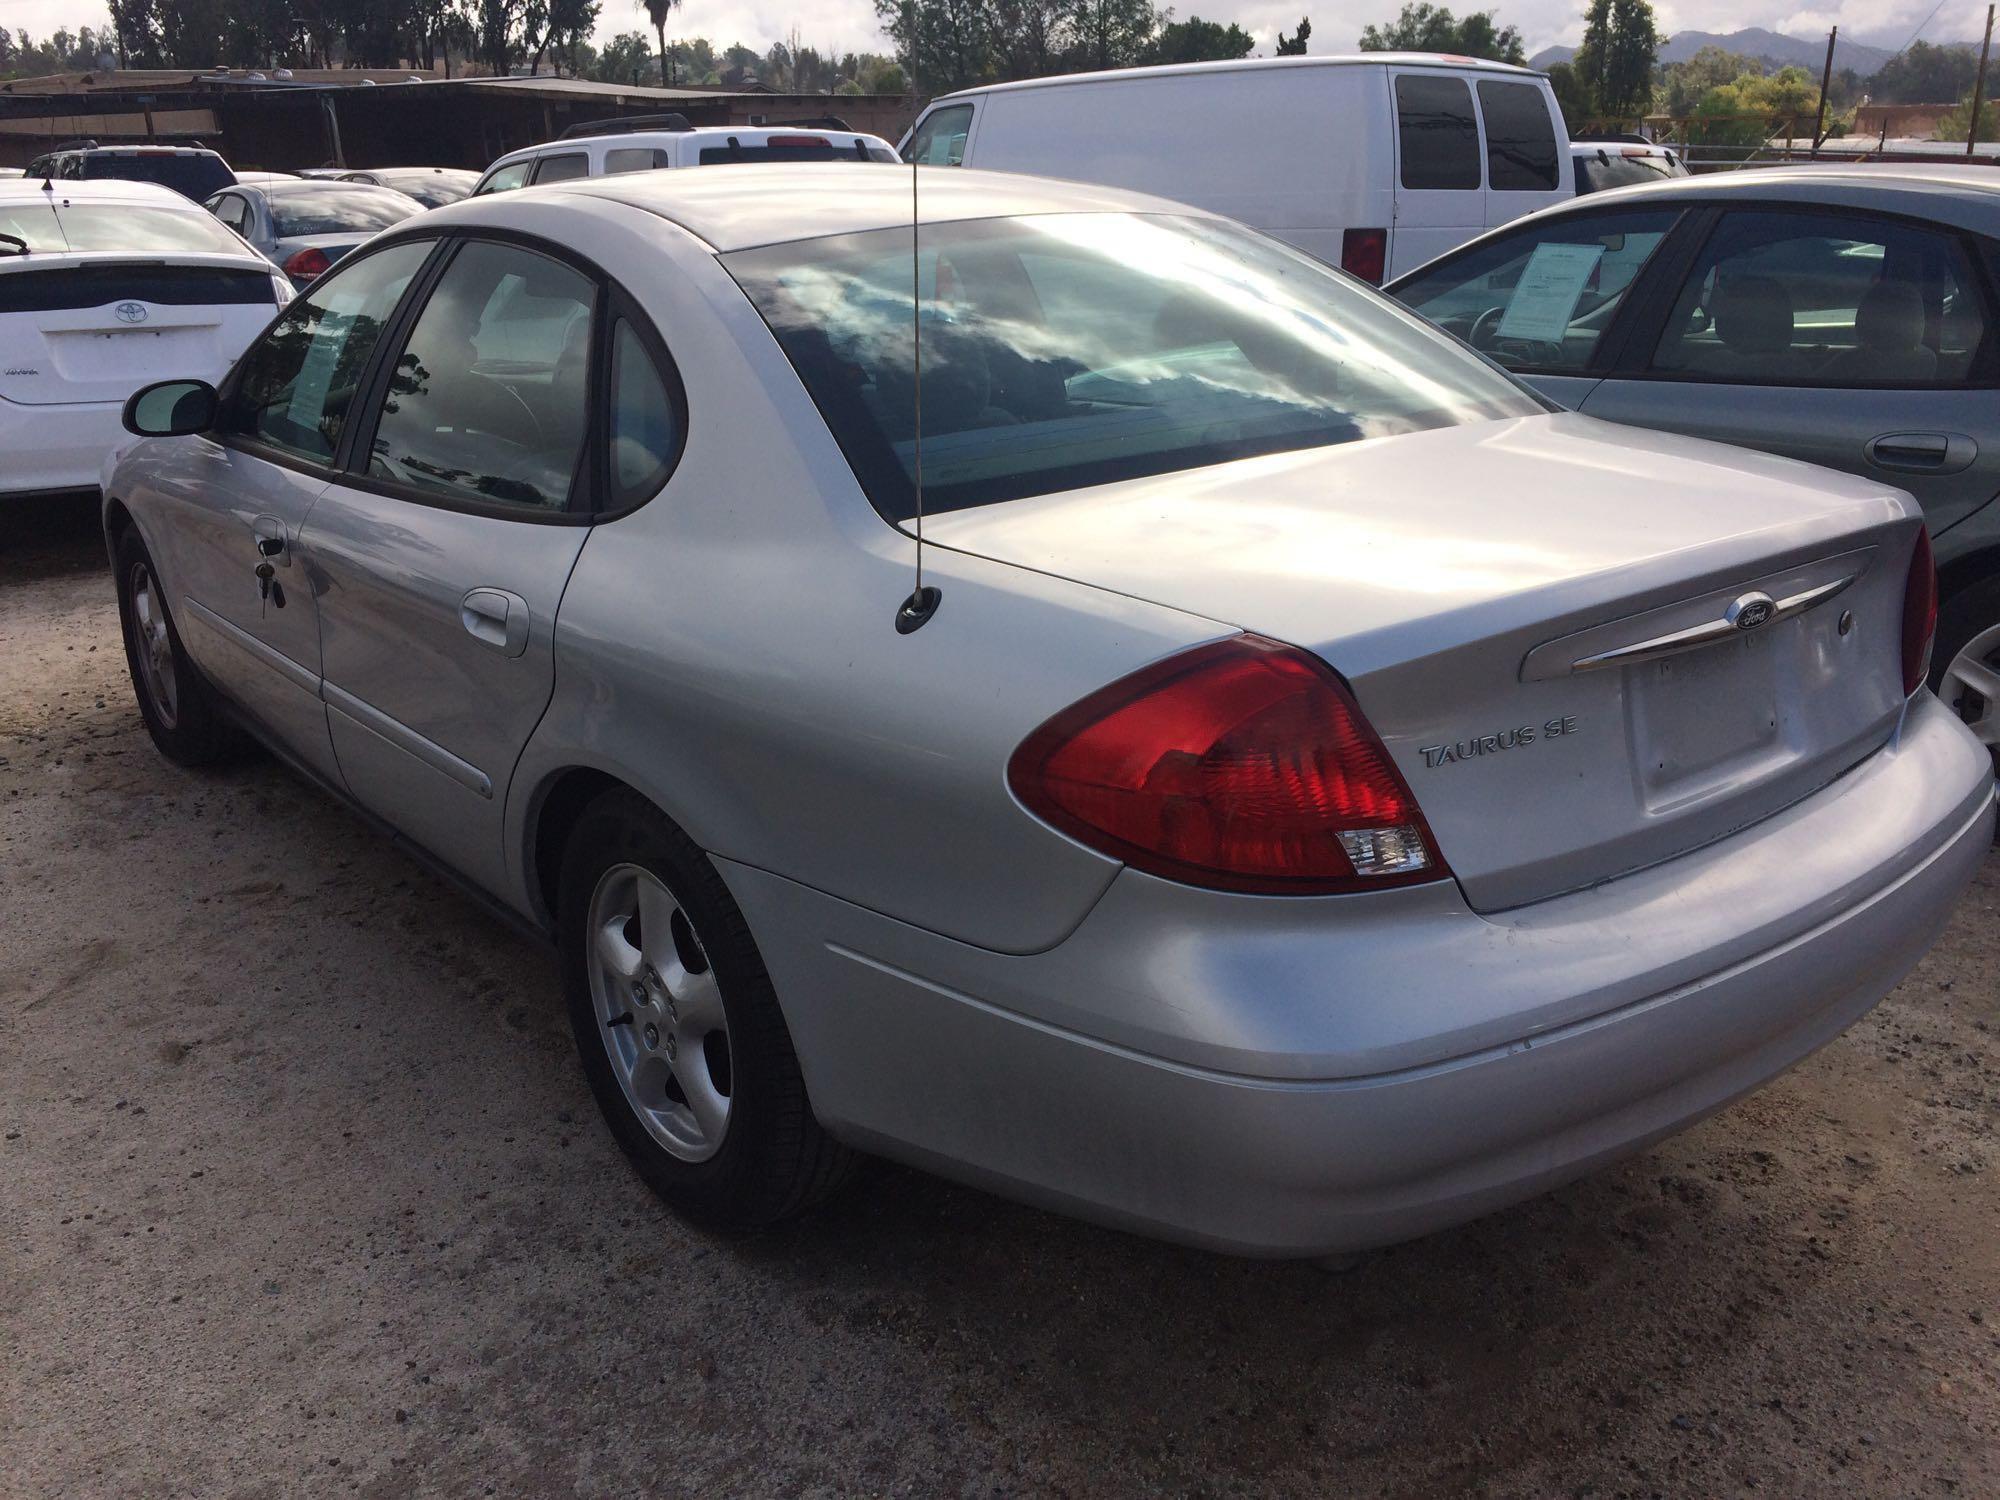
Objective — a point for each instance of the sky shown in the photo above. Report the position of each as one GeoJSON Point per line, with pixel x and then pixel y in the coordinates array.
{"type": "Point", "coordinates": [843, 25]}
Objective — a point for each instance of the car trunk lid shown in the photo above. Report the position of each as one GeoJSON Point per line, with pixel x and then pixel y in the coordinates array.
{"type": "Point", "coordinates": [78, 328]}
{"type": "Point", "coordinates": [1499, 595]}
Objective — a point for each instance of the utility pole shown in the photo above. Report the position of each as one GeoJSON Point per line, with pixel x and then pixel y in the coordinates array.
{"type": "Point", "coordinates": [1979, 88]}
{"type": "Point", "coordinates": [1825, 82]}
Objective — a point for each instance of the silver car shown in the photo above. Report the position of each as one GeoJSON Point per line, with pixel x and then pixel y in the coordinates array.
{"type": "Point", "coordinates": [304, 225]}
{"type": "Point", "coordinates": [1845, 315]}
{"type": "Point", "coordinates": [1316, 794]}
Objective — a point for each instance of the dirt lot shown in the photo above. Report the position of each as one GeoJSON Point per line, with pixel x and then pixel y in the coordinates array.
{"type": "Point", "coordinates": [301, 1192]}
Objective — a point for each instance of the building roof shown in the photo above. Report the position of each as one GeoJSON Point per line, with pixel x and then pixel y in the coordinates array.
{"type": "Point", "coordinates": [768, 204]}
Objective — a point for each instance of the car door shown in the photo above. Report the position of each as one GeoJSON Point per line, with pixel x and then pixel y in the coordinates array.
{"type": "Point", "coordinates": [1860, 341]}
{"type": "Point", "coordinates": [1548, 299]}
{"type": "Point", "coordinates": [1524, 163]}
{"type": "Point", "coordinates": [1440, 184]}
{"type": "Point", "coordinates": [446, 545]}
{"type": "Point", "coordinates": [241, 493]}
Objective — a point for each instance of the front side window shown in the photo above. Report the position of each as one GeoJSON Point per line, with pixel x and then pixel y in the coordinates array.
{"type": "Point", "coordinates": [939, 140]}
{"type": "Point", "coordinates": [1541, 299]}
{"type": "Point", "coordinates": [1820, 299]}
{"type": "Point", "coordinates": [488, 402]}
{"type": "Point", "coordinates": [562, 168]}
{"type": "Point", "coordinates": [507, 178]}
{"type": "Point", "coordinates": [1436, 135]}
{"type": "Point", "coordinates": [1066, 350]}
{"type": "Point", "coordinates": [296, 385]}
{"type": "Point", "coordinates": [1520, 140]}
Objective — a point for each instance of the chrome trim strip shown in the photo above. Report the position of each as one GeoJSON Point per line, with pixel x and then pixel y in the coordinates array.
{"type": "Point", "coordinates": [299, 676]}
{"type": "Point", "coordinates": [395, 732]}
{"type": "Point", "coordinates": [1697, 636]}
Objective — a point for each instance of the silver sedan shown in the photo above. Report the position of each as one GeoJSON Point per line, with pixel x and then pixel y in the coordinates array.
{"type": "Point", "coordinates": [1845, 315]}
{"type": "Point", "coordinates": [1302, 792]}
{"type": "Point", "coordinates": [302, 225]}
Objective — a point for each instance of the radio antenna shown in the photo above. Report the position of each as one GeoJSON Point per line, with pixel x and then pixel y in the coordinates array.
{"type": "Point", "coordinates": [914, 612]}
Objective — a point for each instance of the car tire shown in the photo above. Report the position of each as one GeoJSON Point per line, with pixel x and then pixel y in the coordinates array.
{"type": "Point", "coordinates": [658, 962]}
{"type": "Point", "coordinates": [1965, 658]}
{"type": "Point", "coordinates": [182, 712]}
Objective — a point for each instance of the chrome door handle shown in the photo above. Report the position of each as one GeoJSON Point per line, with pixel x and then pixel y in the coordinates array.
{"type": "Point", "coordinates": [496, 618]}
{"type": "Point", "coordinates": [1922, 452]}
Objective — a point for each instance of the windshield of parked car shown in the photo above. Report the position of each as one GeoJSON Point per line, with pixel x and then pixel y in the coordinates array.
{"type": "Point", "coordinates": [113, 226]}
{"type": "Point", "coordinates": [337, 208]}
{"type": "Point", "coordinates": [1066, 350]}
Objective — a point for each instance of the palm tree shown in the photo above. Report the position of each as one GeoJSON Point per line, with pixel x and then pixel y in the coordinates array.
{"type": "Point", "coordinates": [657, 12]}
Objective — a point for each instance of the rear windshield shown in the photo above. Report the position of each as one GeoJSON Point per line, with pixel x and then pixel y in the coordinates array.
{"type": "Point", "coordinates": [196, 177]}
{"type": "Point", "coordinates": [435, 189]}
{"type": "Point", "coordinates": [112, 226]}
{"type": "Point", "coordinates": [712, 156]}
{"type": "Point", "coordinates": [337, 208]}
{"type": "Point", "coordinates": [1066, 350]}
{"type": "Point", "coordinates": [1597, 170]}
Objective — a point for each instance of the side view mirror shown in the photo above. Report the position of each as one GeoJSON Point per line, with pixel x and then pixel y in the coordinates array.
{"type": "Point", "coordinates": [172, 408]}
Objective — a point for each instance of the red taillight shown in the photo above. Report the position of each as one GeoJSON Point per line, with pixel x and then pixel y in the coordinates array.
{"type": "Point", "coordinates": [1244, 765]}
{"type": "Point", "coordinates": [795, 140]}
{"type": "Point", "coordinates": [307, 264]}
{"type": "Point", "coordinates": [1365, 253]}
{"type": "Point", "coordinates": [1920, 610]}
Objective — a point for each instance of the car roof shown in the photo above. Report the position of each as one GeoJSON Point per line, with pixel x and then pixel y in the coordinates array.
{"type": "Point", "coordinates": [1961, 193]}
{"type": "Point", "coordinates": [764, 204]}
{"type": "Point", "coordinates": [751, 134]}
{"type": "Point", "coordinates": [94, 190]}
{"type": "Point", "coordinates": [1253, 64]}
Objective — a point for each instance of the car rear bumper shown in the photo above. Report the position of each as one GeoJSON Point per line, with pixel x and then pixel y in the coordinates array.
{"type": "Point", "coordinates": [57, 448]}
{"type": "Point", "coordinates": [1298, 1077]}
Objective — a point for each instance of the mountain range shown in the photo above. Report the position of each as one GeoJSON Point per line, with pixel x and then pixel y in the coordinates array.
{"type": "Point", "coordinates": [1774, 47]}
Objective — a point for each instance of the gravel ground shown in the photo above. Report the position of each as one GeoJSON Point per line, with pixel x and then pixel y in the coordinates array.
{"type": "Point", "coordinates": [301, 1192]}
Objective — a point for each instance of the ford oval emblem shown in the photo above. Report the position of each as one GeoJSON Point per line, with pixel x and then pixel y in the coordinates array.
{"type": "Point", "coordinates": [1750, 611]}
{"type": "Point", "coordinates": [130, 312]}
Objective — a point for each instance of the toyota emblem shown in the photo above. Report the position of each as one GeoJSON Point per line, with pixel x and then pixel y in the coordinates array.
{"type": "Point", "coordinates": [130, 312]}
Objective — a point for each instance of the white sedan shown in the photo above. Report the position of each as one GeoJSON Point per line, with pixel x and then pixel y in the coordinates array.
{"type": "Point", "coordinates": [105, 287]}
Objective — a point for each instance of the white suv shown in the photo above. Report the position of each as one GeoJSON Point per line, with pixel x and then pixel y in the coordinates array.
{"type": "Point", "coordinates": [647, 142]}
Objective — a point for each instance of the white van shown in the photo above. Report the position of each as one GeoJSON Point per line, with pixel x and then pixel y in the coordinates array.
{"type": "Point", "coordinates": [1376, 162]}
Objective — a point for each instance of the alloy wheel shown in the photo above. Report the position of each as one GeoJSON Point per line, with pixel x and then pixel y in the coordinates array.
{"type": "Point", "coordinates": [659, 1011]}
{"type": "Point", "coordinates": [155, 653]}
{"type": "Point", "coordinates": [1971, 685]}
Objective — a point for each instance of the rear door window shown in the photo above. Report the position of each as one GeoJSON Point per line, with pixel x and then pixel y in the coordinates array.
{"type": "Point", "coordinates": [939, 140]}
{"type": "Point", "coordinates": [1437, 136]}
{"type": "Point", "coordinates": [562, 168]}
{"type": "Point", "coordinates": [1806, 299]}
{"type": "Point", "coordinates": [1520, 139]}
{"type": "Point", "coordinates": [1540, 299]}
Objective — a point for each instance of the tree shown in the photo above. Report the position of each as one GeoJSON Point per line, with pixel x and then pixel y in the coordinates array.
{"type": "Point", "coordinates": [1750, 110]}
{"type": "Point", "coordinates": [626, 58]}
{"type": "Point", "coordinates": [657, 11]}
{"type": "Point", "coordinates": [1684, 83]}
{"type": "Point", "coordinates": [1423, 27]}
{"type": "Point", "coordinates": [1615, 62]}
{"type": "Point", "coordinates": [1295, 44]}
{"type": "Point", "coordinates": [1196, 40]}
{"type": "Point", "coordinates": [1114, 33]}
{"type": "Point", "coordinates": [1923, 74]}
{"type": "Point", "coordinates": [1031, 36]}
{"type": "Point", "coordinates": [944, 44]}
{"type": "Point", "coordinates": [1953, 127]}
{"type": "Point", "coordinates": [1571, 96]}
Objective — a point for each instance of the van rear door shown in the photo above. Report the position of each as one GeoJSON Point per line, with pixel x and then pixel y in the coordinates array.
{"type": "Point", "coordinates": [1440, 172]}
{"type": "Point", "coordinates": [1527, 151]}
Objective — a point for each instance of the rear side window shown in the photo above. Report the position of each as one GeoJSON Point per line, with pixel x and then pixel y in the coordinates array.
{"type": "Point", "coordinates": [233, 211]}
{"type": "Point", "coordinates": [645, 419]}
{"type": "Point", "coordinates": [1541, 298]}
{"type": "Point", "coordinates": [781, 148]}
{"type": "Point", "coordinates": [508, 178]}
{"type": "Point", "coordinates": [1803, 299]}
{"type": "Point", "coordinates": [1437, 136]}
{"type": "Point", "coordinates": [489, 400]}
{"type": "Point", "coordinates": [297, 383]}
{"type": "Point", "coordinates": [562, 168]}
{"type": "Point", "coordinates": [634, 159]}
{"type": "Point", "coordinates": [1520, 140]}
{"type": "Point", "coordinates": [940, 140]}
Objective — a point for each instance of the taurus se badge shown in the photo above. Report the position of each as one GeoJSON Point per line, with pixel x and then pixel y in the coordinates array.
{"type": "Point", "coordinates": [1492, 744]}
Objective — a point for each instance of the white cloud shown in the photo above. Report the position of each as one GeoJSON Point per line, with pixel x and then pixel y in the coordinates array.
{"type": "Point", "coordinates": [843, 25]}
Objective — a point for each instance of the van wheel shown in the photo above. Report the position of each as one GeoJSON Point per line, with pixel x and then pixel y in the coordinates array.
{"type": "Point", "coordinates": [678, 1027]}
{"type": "Point", "coordinates": [1965, 663]}
{"type": "Point", "coordinates": [181, 710]}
